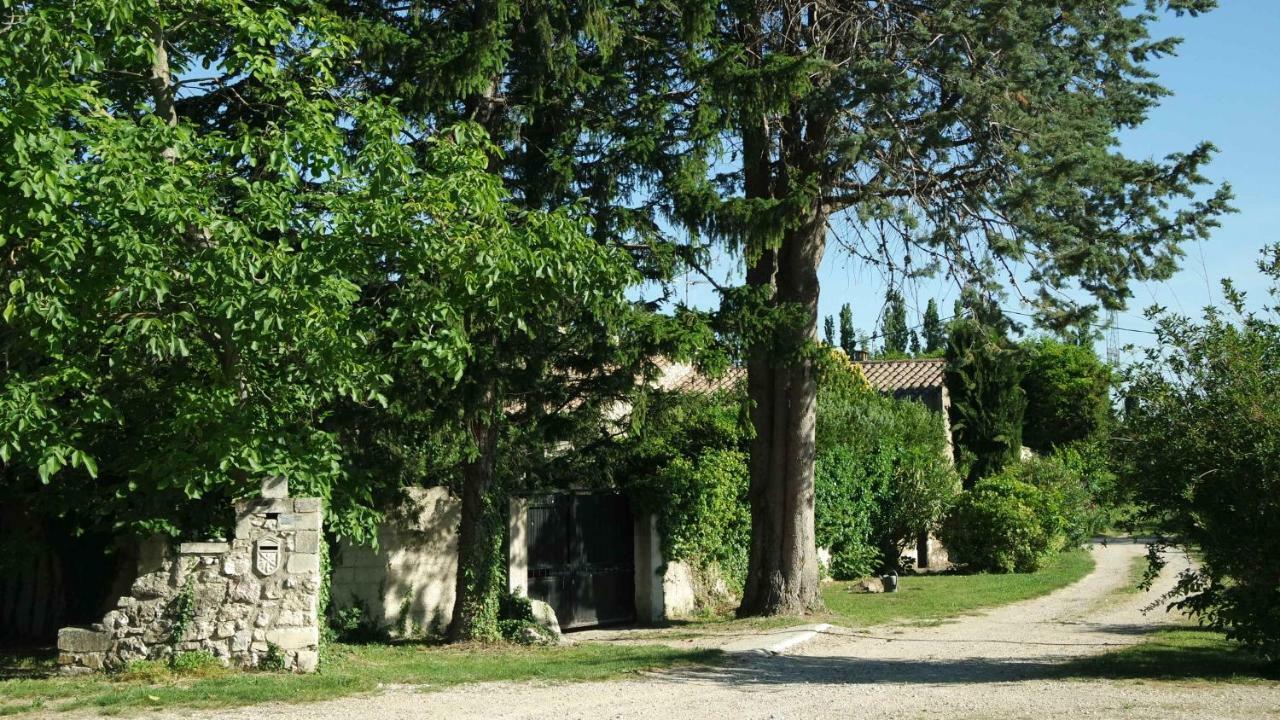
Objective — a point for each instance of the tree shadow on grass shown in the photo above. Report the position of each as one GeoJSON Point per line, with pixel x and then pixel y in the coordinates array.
{"type": "Point", "coordinates": [26, 663]}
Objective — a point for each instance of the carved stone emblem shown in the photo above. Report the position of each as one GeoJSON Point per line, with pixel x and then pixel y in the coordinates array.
{"type": "Point", "coordinates": [266, 555]}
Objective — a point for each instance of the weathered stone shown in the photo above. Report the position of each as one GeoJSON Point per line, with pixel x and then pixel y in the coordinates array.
{"type": "Point", "coordinates": [240, 641]}
{"type": "Point", "coordinates": [149, 586]}
{"type": "Point", "coordinates": [259, 635]}
{"type": "Point", "coordinates": [306, 541]}
{"type": "Point", "coordinates": [307, 505]}
{"type": "Point", "coordinates": [870, 585]}
{"type": "Point", "coordinates": [307, 661]}
{"type": "Point", "coordinates": [127, 602]}
{"type": "Point", "coordinates": [74, 670]}
{"type": "Point", "coordinates": [545, 615]}
{"type": "Point", "coordinates": [275, 487]}
{"type": "Point", "coordinates": [292, 618]}
{"type": "Point", "coordinates": [81, 640]}
{"type": "Point", "coordinates": [247, 590]}
{"type": "Point", "coordinates": [294, 638]}
{"type": "Point", "coordinates": [224, 630]}
{"type": "Point", "coordinates": [304, 563]}
{"type": "Point", "coordinates": [204, 548]}
{"type": "Point", "coordinates": [262, 620]}
{"type": "Point", "coordinates": [92, 660]}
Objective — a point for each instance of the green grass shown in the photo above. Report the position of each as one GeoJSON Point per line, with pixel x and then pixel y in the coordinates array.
{"type": "Point", "coordinates": [921, 600]}
{"type": "Point", "coordinates": [928, 598]}
{"type": "Point", "coordinates": [347, 669]}
{"type": "Point", "coordinates": [1177, 654]}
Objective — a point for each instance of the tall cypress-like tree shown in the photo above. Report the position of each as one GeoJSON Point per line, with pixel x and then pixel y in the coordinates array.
{"type": "Point", "coordinates": [829, 330]}
{"type": "Point", "coordinates": [848, 336]}
{"type": "Point", "coordinates": [935, 336]}
{"type": "Point", "coordinates": [893, 328]}
{"type": "Point", "coordinates": [967, 134]}
{"type": "Point", "coordinates": [983, 377]}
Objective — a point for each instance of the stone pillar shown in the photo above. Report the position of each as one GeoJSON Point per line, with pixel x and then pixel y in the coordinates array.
{"type": "Point", "coordinates": [248, 599]}
{"type": "Point", "coordinates": [650, 605]}
{"type": "Point", "coordinates": [518, 547]}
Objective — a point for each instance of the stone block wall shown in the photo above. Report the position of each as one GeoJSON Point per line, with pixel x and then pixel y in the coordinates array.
{"type": "Point", "coordinates": [240, 598]}
{"type": "Point", "coordinates": [406, 584]}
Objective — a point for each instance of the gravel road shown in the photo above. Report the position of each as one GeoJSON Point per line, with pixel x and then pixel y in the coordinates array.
{"type": "Point", "coordinates": [997, 664]}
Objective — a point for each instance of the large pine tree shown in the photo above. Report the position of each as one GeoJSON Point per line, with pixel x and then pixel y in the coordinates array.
{"type": "Point", "coordinates": [978, 136]}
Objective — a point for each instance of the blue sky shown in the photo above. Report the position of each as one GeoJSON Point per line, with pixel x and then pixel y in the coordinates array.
{"type": "Point", "coordinates": [1226, 84]}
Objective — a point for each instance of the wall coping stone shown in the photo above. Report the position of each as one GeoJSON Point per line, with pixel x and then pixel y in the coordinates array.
{"type": "Point", "coordinates": [204, 548]}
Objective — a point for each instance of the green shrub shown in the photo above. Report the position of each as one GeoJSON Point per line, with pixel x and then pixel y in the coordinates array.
{"type": "Point", "coordinates": [273, 659]}
{"type": "Point", "coordinates": [881, 474]}
{"type": "Point", "coordinates": [845, 505]}
{"type": "Point", "coordinates": [517, 624]}
{"type": "Point", "coordinates": [1071, 513]}
{"type": "Point", "coordinates": [687, 464]}
{"type": "Point", "coordinates": [1001, 525]}
{"type": "Point", "coordinates": [1200, 443]}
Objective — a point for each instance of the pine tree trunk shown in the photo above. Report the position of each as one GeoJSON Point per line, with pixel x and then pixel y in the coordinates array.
{"type": "Point", "coordinates": [480, 532]}
{"type": "Point", "coordinates": [782, 576]}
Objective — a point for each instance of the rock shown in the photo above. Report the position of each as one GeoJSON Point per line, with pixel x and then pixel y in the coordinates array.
{"type": "Point", "coordinates": [304, 563]}
{"type": "Point", "coordinates": [82, 640]}
{"type": "Point", "coordinates": [247, 590]}
{"type": "Point", "coordinates": [545, 615]}
{"type": "Point", "coordinates": [870, 585]}
{"type": "Point", "coordinates": [150, 586]}
{"type": "Point", "coordinates": [308, 660]}
{"type": "Point", "coordinates": [240, 641]}
{"type": "Point", "coordinates": [294, 638]}
{"type": "Point", "coordinates": [307, 541]}
{"type": "Point", "coordinates": [275, 487]}
{"type": "Point", "coordinates": [225, 630]}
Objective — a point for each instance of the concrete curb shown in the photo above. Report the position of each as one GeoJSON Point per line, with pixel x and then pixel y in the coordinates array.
{"type": "Point", "coordinates": [777, 643]}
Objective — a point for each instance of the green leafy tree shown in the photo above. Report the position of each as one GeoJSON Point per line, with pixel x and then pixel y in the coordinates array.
{"type": "Point", "coordinates": [848, 336]}
{"type": "Point", "coordinates": [983, 377]}
{"type": "Point", "coordinates": [935, 335]}
{"type": "Point", "coordinates": [893, 326]}
{"type": "Point", "coordinates": [1200, 447]}
{"type": "Point", "coordinates": [568, 109]}
{"type": "Point", "coordinates": [1068, 392]}
{"type": "Point", "coordinates": [829, 330]}
{"type": "Point", "coordinates": [881, 111]}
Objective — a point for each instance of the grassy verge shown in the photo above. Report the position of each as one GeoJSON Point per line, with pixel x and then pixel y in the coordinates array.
{"type": "Point", "coordinates": [936, 597]}
{"type": "Point", "coordinates": [348, 669]}
{"type": "Point", "coordinates": [1177, 654]}
{"type": "Point", "coordinates": [921, 599]}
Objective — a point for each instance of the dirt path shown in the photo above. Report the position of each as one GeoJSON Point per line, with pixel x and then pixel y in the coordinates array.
{"type": "Point", "coordinates": [994, 665]}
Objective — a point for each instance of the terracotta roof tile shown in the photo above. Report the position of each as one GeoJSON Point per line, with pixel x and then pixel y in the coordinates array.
{"type": "Point", "coordinates": [685, 378]}
{"type": "Point", "coordinates": [904, 375]}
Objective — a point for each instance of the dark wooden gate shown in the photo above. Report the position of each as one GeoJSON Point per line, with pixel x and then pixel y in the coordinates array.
{"type": "Point", "coordinates": [581, 558]}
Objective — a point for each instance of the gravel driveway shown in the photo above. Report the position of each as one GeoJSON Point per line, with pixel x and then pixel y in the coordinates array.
{"type": "Point", "coordinates": [993, 665]}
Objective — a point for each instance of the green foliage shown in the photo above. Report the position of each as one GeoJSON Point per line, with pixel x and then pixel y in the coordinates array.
{"type": "Point", "coordinates": [848, 336]}
{"type": "Point", "coordinates": [517, 623]}
{"type": "Point", "coordinates": [180, 612]}
{"type": "Point", "coordinates": [354, 624]}
{"type": "Point", "coordinates": [273, 659]}
{"type": "Point", "coordinates": [1068, 391]}
{"type": "Point", "coordinates": [687, 463]}
{"type": "Point", "coordinates": [881, 476]}
{"type": "Point", "coordinates": [1200, 448]}
{"type": "Point", "coordinates": [1070, 510]}
{"type": "Point", "coordinates": [1001, 525]}
{"type": "Point", "coordinates": [935, 335]}
{"type": "Point", "coordinates": [983, 376]}
{"type": "Point", "coordinates": [893, 325]}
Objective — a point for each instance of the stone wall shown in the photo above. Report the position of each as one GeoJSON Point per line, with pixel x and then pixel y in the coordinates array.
{"type": "Point", "coordinates": [405, 585]}
{"type": "Point", "coordinates": [241, 598]}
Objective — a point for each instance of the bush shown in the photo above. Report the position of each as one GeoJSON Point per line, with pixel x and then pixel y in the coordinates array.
{"type": "Point", "coordinates": [881, 476]}
{"type": "Point", "coordinates": [687, 463]}
{"type": "Point", "coordinates": [1068, 391]}
{"type": "Point", "coordinates": [516, 622]}
{"type": "Point", "coordinates": [1201, 448]}
{"type": "Point", "coordinates": [1070, 511]}
{"type": "Point", "coordinates": [1001, 525]}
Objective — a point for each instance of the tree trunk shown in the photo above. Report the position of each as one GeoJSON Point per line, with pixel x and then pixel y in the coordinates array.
{"type": "Point", "coordinates": [480, 532]}
{"type": "Point", "coordinates": [782, 576]}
